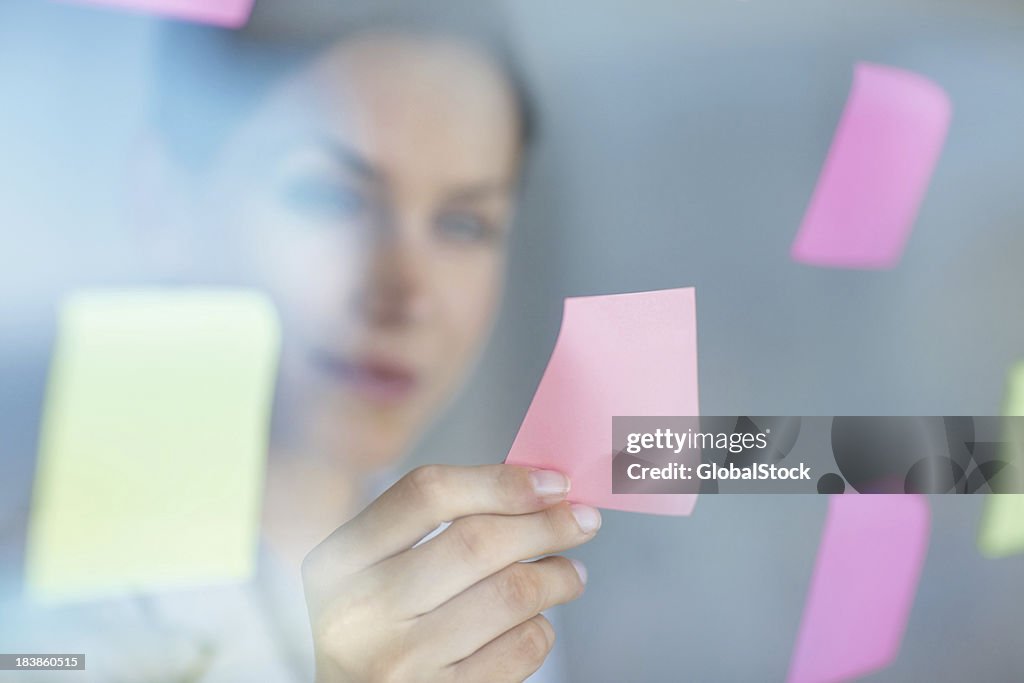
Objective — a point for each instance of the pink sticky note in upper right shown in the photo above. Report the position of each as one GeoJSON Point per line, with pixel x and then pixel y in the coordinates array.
{"type": "Point", "coordinates": [227, 13]}
{"type": "Point", "coordinates": [624, 354]}
{"type": "Point", "coordinates": [877, 171]}
{"type": "Point", "coordinates": [865, 578]}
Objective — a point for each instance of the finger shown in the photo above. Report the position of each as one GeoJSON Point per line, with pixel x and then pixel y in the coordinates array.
{"type": "Point", "coordinates": [500, 602]}
{"type": "Point", "coordinates": [473, 548]}
{"type": "Point", "coordinates": [512, 656]}
{"type": "Point", "coordinates": [430, 495]}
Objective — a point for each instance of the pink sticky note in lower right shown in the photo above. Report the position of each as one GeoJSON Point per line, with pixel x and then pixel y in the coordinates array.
{"type": "Point", "coordinates": [227, 13]}
{"type": "Point", "coordinates": [617, 355]}
{"type": "Point", "coordinates": [877, 171]}
{"type": "Point", "coordinates": [865, 578]}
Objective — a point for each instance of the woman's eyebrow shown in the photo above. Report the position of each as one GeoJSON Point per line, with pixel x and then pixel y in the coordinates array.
{"type": "Point", "coordinates": [354, 161]}
{"type": "Point", "coordinates": [479, 191]}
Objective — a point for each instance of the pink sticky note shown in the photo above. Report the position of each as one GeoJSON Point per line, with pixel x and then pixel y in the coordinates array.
{"type": "Point", "coordinates": [625, 354]}
{"type": "Point", "coordinates": [877, 171]}
{"type": "Point", "coordinates": [868, 567]}
{"type": "Point", "coordinates": [228, 13]}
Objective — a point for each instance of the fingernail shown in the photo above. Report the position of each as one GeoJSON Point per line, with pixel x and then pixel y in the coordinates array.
{"type": "Point", "coordinates": [581, 569]}
{"type": "Point", "coordinates": [549, 485]}
{"type": "Point", "coordinates": [587, 517]}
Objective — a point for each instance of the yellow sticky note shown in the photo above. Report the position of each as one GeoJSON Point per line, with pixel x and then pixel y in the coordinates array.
{"type": "Point", "coordinates": [1002, 526]}
{"type": "Point", "coordinates": [153, 442]}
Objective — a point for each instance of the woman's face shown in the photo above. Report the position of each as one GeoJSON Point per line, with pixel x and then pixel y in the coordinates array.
{"type": "Point", "coordinates": [371, 195]}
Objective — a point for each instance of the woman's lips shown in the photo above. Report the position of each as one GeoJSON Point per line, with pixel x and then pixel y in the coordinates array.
{"type": "Point", "coordinates": [378, 381]}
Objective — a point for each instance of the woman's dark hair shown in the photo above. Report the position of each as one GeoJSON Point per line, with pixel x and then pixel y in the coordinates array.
{"type": "Point", "coordinates": [207, 78]}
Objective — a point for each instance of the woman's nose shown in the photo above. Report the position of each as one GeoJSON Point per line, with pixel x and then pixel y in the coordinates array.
{"type": "Point", "coordinates": [396, 291]}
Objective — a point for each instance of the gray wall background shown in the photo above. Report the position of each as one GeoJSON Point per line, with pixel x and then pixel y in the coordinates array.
{"type": "Point", "coordinates": [680, 143]}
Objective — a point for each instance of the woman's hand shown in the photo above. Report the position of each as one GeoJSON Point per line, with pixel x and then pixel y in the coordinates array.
{"type": "Point", "coordinates": [462, 606]}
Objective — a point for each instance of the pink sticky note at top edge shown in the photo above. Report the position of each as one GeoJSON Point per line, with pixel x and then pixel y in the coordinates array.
{"type": "Point", "coordinates": [877, 171]}
{"type": "Point", "coordinates": [624, 354]}
{"type": "Point", "coordinates": [865, 578]}
{"type": "Point", "coordinates": [226, 13]}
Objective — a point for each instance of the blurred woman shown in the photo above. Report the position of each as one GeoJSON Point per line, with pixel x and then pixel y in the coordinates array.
{"type": "Point", "coordinates": [363, 169]}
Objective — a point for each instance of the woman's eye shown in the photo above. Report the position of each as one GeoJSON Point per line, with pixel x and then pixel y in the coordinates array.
{"type": "Point", "coordinates": [464, 227]}
{"type": "Point", "coordinates": [325, 198]}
